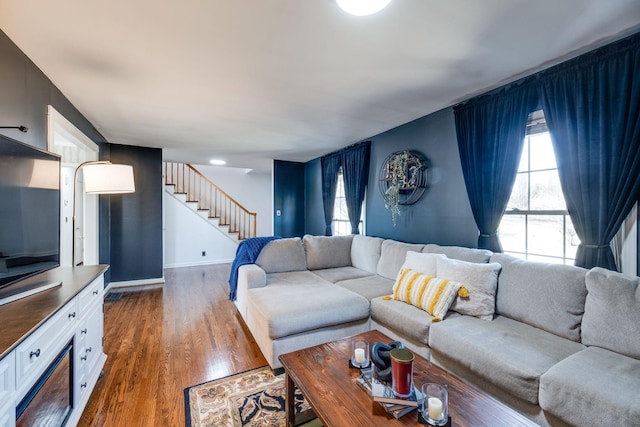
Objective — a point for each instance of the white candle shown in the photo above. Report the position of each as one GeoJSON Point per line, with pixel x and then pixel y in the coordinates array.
{"type": "Point", "coordinates": [435, 408]}
{"type": "Point", "coordinates": [359, 355]}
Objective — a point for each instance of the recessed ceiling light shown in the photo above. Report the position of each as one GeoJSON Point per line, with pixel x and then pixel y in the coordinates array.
{"type": "Point", "coordinates": [217, 162]}
{"type": "Point", "coordinates": [362, 7]}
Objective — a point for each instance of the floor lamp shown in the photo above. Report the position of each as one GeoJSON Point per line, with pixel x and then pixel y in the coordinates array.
{"type": "Point", "coordinates": [101, 177]}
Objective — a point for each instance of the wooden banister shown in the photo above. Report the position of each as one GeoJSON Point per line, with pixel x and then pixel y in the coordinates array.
{"type": "Point", "coordinates": [199, 188]}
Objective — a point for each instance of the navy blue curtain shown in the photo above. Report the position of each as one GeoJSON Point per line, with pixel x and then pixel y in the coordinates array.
{"type": "Point", "coordinates": [330, 167]}
{"type": "Point", "coordinates": [355, 172]}
{"type": "Point", "coordinates": [491, 131]}
{"type": "Point", "coordinates": [592, 107]}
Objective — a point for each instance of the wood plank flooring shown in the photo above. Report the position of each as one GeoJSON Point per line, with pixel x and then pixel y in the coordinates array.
{"type": "Point", "coordinates": [160, 341]}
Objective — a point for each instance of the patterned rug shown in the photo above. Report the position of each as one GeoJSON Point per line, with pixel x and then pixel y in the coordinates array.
{"type": "Point", "coordinates": [253, 399]}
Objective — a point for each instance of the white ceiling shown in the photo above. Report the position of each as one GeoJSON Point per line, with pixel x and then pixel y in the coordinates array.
{"type": "Point", "coordinates": [254, 80]}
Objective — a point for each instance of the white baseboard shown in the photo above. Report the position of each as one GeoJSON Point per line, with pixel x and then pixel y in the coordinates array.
{"type": "Point", "coordinates": [134, 283]}
{"type": "Point", "coordinates": [196, 264]}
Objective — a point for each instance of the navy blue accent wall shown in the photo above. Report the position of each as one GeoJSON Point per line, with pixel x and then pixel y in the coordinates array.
{"type": "Point", "coordinates": [314, 218]}
{"type": "Point", "coordinates": [288, 198]}
{"type": "Point", "coordinates": [26, 92]}
{"type": "Point", "coordinates": [442, 216]}
{"type": "Point", "coordinates": [131, 224]}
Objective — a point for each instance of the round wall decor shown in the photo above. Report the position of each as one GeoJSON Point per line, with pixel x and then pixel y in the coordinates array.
{"type": "Point", "coordinates": [403, 179]}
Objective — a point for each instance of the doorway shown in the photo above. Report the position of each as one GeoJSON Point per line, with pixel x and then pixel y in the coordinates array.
{"type": "Point", "coordinates": [74, 147]}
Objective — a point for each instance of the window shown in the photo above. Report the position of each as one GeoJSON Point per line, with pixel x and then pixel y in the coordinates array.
{"type": "Point", "coordinates": [341, 224]}
{"type": "Point", "coordinates": [536, 225]}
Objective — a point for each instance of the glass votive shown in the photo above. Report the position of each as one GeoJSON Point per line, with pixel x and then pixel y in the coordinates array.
{"type": "Point", "coordinates": [360, 354]}
{"type": "Point", "coordinates": [401, 371]}
{"type": "Point", "coordinates": [434, 407]}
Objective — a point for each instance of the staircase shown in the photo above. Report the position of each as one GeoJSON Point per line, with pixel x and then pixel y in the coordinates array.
{"type": "Point", "coordinates": [196, 191]}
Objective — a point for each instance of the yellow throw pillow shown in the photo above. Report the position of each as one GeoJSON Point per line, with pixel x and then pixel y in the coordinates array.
{"type": "Point", "coordinates": [432, 294]}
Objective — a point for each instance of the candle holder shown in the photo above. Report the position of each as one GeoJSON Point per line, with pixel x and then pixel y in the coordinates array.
{"type": "Point", "coordinates": [402, 372]}
{"type": "Point", "coordinates": [360, 357]}
{"type": "Point", "coordinates": [434, 408]}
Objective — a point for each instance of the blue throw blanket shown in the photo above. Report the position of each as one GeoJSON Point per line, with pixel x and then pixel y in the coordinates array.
{"type": "Point", "coordinates": [247, 253]}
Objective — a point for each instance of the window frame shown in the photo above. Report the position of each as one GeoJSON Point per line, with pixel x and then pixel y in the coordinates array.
{"type": "Point", "coordinates": [535, 126]}
{"type": "Point", "coordinates": [341, 199]}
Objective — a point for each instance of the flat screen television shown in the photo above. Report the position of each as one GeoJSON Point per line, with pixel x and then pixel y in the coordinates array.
{"type": "Point", "coordinates": [29, 213]}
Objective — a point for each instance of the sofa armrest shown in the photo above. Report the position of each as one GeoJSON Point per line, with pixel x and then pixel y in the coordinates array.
{"type": "Point", "coordinates": [252, 276]}
{"type": "Point", "coordinates": [249, 276]}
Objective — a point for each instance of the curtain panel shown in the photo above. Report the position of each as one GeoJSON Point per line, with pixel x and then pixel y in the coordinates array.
{"type": "Point", "coordinates": [490, 131]}
{"type": "Point", "coordinates": [355, 172]}
{"type": "Point", "coordinates": [330, 166]}
{"type": "Point", "coordinates": [592, 107]}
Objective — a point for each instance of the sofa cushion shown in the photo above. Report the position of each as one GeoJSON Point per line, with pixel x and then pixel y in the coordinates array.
{"type": "Point", "coordinates": [392, 256]}
{"type": "Point", "coordinates": [548, 296]}
{"type": "Point", "coordinates": [612, 312]}
{"type": "Point", "coordinates": [480, 280]}
{"type": "Point", "coordinates": [327, 251]}
{"type": "Point", "coordinates": [593, 387]}
{"type": "Point", "coordinates": [285, 309]}
{"type": "Point", "coordinates": [509, 354]}
{"type": "Point", "coordinates": [459, 252]}
{"type": "Point", "coordinates": [405, 318]}
{"type": "Point", "coordinates": [338, 274]}
{"type": "Point", "coordinates": [365, 252]}
{"type": "Point", "coordinates": [282, 255]}
{"type": "Point", "coordinates": [424, 263]}
{"type": "Point", "coordinates": [296, 277]}
{"type": "Point", "coordinates": [369, 287]}
{"type": "Point", "coordinates": [431, 294]}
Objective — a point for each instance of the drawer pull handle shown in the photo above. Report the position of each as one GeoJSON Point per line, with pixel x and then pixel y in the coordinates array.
{"type": "Point", "coordinates": [72, 315]}
{"type": "Point", "coordinates": [34, 353]}
{"type": "Point", "coordinates": [88, 349]}
{"type": "Point", "coordinates": [83, 385]}
{"type": "Point", "coordinates": [83, 331]}
{"type": "Point", "coordinates": [83, 358]}
{"type": "Point", "coordinates": [95, 292]}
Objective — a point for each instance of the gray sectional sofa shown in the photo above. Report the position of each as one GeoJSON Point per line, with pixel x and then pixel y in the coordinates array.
{"type": "Point", "coordinates": [558, 343]}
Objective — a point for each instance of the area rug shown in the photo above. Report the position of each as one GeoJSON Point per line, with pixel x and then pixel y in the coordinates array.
{"type": "Point", "coordinates": [253, 398]}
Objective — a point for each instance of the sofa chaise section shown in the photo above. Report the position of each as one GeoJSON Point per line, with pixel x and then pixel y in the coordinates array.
{"type": "Point", "coordinates": [601, 384]}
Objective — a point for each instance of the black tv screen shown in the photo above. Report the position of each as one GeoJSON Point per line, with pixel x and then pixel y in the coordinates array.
{"type": "Point", "coordinates": [29, 211]}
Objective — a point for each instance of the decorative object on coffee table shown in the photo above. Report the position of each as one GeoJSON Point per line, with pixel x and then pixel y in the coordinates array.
{"type": "Point", "coordinates": [360, 354]}
{"type": "Point", "coordinates": [402, 371]}
{"type": "Point", "coordinates": [380, 356]}
{"type": "Point", "coordinates": [434, 407]}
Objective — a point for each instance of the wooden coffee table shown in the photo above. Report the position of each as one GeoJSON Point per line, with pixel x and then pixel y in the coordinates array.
{"type": "Point", "coordinates": [323, 376]}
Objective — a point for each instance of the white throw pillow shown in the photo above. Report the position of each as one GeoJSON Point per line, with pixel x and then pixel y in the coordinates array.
{"type": "Point", "coordinates": [481, 280]}
{"type": "Point", "coordinates": [423, 263]}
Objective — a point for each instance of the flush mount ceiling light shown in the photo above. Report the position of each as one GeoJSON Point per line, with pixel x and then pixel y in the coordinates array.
{"type": "Point", "coordinates": [217, 162]}
{"type": "Point", "coordinates": [362, 7]}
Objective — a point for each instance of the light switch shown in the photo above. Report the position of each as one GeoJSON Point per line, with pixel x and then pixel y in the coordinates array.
{"type": "Point", "coordinates": [278, 212]}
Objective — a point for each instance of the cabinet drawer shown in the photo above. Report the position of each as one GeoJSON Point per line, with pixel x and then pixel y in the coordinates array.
{"type": "Point", "coordinates": [91, 345]}
{"type": "Point", "coordinates": [7, 378]}
{"type": "Point", "coordinates": [92, 294]}
{"type": "Point", "coordinates": [36, 352]}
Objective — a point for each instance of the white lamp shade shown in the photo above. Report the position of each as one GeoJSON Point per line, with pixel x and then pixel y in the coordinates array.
{"type": "Point", "coordinates": [108, 179]}
{"type": "Point", "coordinates": [362, 7]}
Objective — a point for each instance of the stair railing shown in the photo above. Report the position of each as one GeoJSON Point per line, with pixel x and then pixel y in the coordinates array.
{"type": "Point", "coordinates": [198, 188]}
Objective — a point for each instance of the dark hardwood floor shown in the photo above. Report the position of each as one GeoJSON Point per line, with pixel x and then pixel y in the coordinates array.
{"type": "Point", "coordinates": [160, 341]}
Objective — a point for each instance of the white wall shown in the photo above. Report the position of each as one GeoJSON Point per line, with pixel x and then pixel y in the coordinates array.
{"type": "Point", "coordinates": [252, 190]}
{"type": "Point", "coordinates": [187, 235]}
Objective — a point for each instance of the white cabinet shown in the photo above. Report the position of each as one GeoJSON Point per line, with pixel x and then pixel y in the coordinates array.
{"type": "Point", "coordinates": [89, 355]}
{"type": "Point", "coordinates": [73, 333]}
{"type": "Point", "coordinates": [7, 391]}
